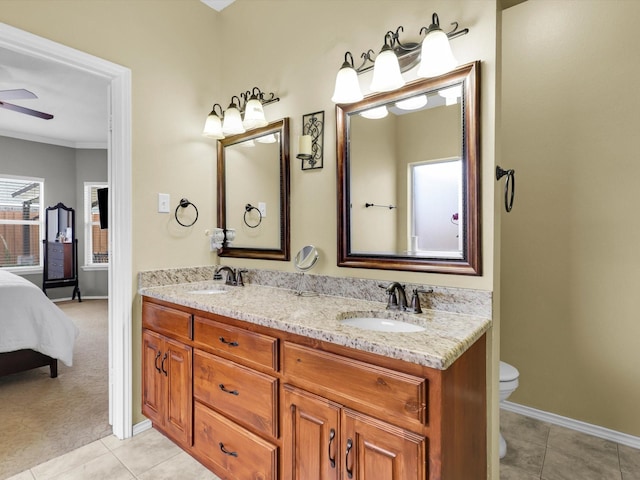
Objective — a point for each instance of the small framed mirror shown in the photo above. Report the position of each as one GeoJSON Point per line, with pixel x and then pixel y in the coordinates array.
{"type": "Point", "coordinates": [306, 258]}
{"type": "Point", "coordinates": [253, 193]}
{"type": "Point", "coordinates": [408, 177]}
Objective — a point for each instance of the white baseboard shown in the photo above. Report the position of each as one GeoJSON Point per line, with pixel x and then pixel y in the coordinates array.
{"type": "Point", "coordinates": [143, 426]}
{"type": "Point", "coordinates": [588, 428]}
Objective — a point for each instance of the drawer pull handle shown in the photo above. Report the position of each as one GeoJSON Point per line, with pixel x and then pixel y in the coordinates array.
{"type": "Point", "coordinates": [224, 389]}
{"type": "Point", "coordinates": [346, 459]}
{"type": "Point", "coordinates": [164, 359]}
{"type": "Point", "coordinates": [227, 342]}
{"type": "Point", "coordinates": [332, 459]}
{"type": "Point", "coordinates": [156, 361]}
{"type": "Point", "coordinates": [227, 452]}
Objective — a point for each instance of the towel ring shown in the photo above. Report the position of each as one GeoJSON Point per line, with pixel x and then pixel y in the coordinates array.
{"type": "Point", "coordinates": [184, 203]}
{"type": "Point", "coordinates": [511, 182]}
{"type": "Point", "coordinates": [248, 209]}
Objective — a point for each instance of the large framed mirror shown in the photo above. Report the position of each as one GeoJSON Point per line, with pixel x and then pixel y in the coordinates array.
{"type": "Point", "coordinates": [253, 193]}
{"type": "Point", "coordinates": [408, 177]}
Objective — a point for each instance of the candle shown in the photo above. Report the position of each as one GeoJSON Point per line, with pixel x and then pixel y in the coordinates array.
{"type": "Point", "coordinates": [305, 145]}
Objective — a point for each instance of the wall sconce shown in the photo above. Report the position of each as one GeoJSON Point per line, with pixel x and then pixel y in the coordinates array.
{"type": "Point", "coordinates": [231, 121]}
{"type": "Point", "coordinates": [433, 55]}
{"type": "Point", "coordinates": [310, 148]}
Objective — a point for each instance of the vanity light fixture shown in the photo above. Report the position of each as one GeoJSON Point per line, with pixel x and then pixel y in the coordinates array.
{"type": "Point", "coordinates": [433, 54]}
{"type": "Point", "coordinates": [231, 122]}
{"type": "Point", "coordinates": [386, 69]}
{"type": "Point", "coordinates": [213, 125]}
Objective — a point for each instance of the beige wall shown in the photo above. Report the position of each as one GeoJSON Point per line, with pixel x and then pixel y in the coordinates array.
{"type": "Point", "coordinates": [177, 51]}
{"type": "Point", "coordinates": [169, 45]}
{"type": "Point", "coordinates": [570, 261]}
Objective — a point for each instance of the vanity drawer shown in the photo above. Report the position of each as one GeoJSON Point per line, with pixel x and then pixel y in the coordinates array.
{"type": "Point", "coordinates": [168, 321]}
{"type": "Point", "coordinates": [355, 382]}
{"type": "Point", "coordinates": [239, 392]}
{"type": "Point", "coordinates": [248, 348]}
{"type": "Point", "coordinates": [230, 448]}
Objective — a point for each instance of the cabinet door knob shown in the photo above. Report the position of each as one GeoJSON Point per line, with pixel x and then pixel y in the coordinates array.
{"type": "Point", "coordinates": [227, 452]}
{"type": "Point", "coordinates": [224, 389]}
{"type": "Point", "coordinates": [332, 459]}
{"type": "Point", "coordinates": [346, 459]}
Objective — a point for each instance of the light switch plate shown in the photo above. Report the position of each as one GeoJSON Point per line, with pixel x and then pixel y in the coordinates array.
{"type": "Point", "coordinates": [262, 206]}
{"type": "Point", "coordinates": [164, 200]}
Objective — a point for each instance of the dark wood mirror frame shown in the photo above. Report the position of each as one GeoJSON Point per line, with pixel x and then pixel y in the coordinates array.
{"type": "Point", "coordinates": [470, 263]}
{"type": "Point", "coordinates": [283, 252]}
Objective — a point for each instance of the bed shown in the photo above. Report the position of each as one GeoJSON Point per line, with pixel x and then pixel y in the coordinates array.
{"type": "Point", "coordinates": [34, 332]}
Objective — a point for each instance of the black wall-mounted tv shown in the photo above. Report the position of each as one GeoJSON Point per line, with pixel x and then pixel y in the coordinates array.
{"type": "Point", "coordinates": [103, 207]}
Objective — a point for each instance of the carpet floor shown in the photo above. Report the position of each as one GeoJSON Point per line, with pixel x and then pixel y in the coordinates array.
{"type": "Point", "coordinates": [41, 417]}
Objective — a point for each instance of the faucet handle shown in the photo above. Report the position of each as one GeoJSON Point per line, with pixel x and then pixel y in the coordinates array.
{"type": "Point", "coordinates": [239, 279]}
{"type": "Point", "coordinates": [415, 306]}
{"type": "Point", "coordinates": [415, 302]}
{"type": "Point", "coordinates": [392, 298]}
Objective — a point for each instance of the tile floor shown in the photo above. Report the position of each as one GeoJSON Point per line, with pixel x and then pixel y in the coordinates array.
{"type": "Point", "coordinates": [536, 451]}
{"type": "Point", "coordinates": [146, 456]}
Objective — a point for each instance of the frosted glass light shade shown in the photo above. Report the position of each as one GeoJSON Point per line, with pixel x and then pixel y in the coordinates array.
{"type": "Point", "coordinates": [386, 72]}
{"type": "Point", "coordinates": [232, 122]}
{"type": "Point", "coordinates": [375, 113]}
{"type": "Point", "coordinates": [347, 89]}
{"type": "Point", "coordinates": [412, 103]}
{"type": "Point", "coordinates": [436, 56]}
{"type": "Point", "coordinates": [254, 115]}
{"type": "Point", "coordinates": [271, 138]}
{"type": "Point", "coordinates": [451, 94]}
{"type": "Point", "coordinates": [213, 127]}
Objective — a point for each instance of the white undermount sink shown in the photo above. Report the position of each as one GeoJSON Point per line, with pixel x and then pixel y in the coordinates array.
{"type": "Point", "coordinates": [208, 291]}
{"type": "Point", "coordinates": [379, 322]}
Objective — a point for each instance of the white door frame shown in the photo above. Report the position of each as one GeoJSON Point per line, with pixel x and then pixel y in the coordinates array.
{"type": "Point", "coordinates": [119, 160]}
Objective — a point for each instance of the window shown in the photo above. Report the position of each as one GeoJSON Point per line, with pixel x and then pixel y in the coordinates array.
{"type": "Point", "coordinates": [96, 245]}
{"type": "Point", "coordinates": [436, 190]}
{"type": "Point", "coordinates": [21, 215]}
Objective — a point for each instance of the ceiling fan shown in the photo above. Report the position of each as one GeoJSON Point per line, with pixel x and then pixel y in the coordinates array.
{"type": "Point", "coordinates": [21, 94]}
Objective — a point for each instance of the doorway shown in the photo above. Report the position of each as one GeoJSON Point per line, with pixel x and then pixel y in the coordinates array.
{"type": "Point", "coordinates": [119, 179]}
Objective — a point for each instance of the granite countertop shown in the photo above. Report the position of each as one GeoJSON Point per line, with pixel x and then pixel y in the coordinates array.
{"type": "Point", "coordinates": [445, 338]}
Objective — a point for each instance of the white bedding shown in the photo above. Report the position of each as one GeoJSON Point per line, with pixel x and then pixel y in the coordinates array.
{"type": "Point", "coordinates": [28, 319]}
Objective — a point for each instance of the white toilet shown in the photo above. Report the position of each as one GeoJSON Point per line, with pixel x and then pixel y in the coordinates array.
{"type": "Point", "coordinates": [508, 383]}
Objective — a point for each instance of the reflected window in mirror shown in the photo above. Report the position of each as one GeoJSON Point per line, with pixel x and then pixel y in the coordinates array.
{"type": "Point", "coordinates": [408, 181]}
{"type": "Point", "coordinates": [253, 192]}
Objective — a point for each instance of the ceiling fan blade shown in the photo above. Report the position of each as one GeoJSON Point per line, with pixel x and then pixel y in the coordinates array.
{"type": "Point", "coordinates": [17, 94]}
{"type": "Point", "coordinates": [28, 111]}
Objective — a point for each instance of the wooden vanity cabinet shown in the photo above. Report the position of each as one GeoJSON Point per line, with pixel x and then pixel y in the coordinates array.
{"type": "Point", "coordinates": [166, 372]}
{"type": "Point", "coordinates": [251, 402]}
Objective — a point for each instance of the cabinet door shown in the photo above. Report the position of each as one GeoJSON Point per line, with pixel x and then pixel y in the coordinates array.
{"type": "Point", "coordinates": [310, 438]}
{"type": "Point", "coordinates": [177, 371]}
{"type": "Point", "coordinates": [375, 450]}
{"type": "Point", "coordinates": [153, 384]}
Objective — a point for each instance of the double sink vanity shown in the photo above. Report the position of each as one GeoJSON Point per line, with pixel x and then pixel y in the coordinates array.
{"type": "Point", "coordinates": [257, 382]}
